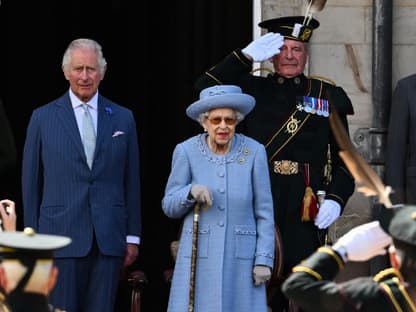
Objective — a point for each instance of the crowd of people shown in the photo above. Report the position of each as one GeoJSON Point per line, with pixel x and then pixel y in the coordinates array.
{"type": "Point", "coordinates": [266, 162]}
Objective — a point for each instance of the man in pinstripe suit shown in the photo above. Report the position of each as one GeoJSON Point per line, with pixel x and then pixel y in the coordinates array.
{"type": "Point", "coordinates": [96, 204]}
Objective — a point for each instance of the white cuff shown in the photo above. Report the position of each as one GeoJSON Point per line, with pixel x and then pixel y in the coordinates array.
{"type": "Point", "coordinates": [133, 239]}
{"type": "Point", "coordinates": [342, 251]}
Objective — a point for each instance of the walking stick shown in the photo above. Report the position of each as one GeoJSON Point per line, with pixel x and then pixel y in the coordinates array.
{"type": "Point", "coordinates": [193, 259]}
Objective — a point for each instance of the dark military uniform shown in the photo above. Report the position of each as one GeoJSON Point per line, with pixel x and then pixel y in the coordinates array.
{"type": "Point", "coordinates": [311, 284]}
{"type": "Point", "coordinates": [312, 288]}
{"type": "Point", "coordinates": [277, 99]}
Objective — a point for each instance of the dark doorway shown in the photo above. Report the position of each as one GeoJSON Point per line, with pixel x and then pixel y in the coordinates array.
{"type": "Point", "coordinates": [154, 50]}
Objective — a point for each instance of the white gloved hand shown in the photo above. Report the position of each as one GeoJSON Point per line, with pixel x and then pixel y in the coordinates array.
{"type": "Point", "coordinates": [364, 242]}
{"type": "Point", "coordinates": [327, 214]}
{"type": "Point", "coordinates": [261, 274]}
{"type": "Point", "coordinates": [201, 194]}
{"type": "Point", "coordinates": [264, 47]}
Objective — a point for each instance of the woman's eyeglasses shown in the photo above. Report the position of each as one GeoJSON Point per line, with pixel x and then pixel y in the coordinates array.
{"type": "Point", "coordinates": [217, 120]}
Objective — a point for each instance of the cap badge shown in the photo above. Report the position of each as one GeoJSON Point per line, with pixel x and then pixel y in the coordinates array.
{"type": "Point", "coordinates": [306, 34]}
{"type": "Point", "coordinates": [29, 231]}
{"type": "Point", "coordinates": [296, 30]}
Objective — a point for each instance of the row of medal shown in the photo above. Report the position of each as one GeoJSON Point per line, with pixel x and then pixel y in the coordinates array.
{"type": "Point", "coordinates": [313, 105]}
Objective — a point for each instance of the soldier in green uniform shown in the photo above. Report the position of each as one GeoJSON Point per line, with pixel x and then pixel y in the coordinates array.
{"type": "Point", "coordinates": [291, 120]}
{"type": "Point", "coordinates": [27, 273]}
{"type": "Point", "coordinates": [311, 284]}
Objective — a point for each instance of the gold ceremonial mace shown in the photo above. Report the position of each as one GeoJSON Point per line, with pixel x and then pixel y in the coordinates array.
{"type": "Point", "coordinates": [193, 258]}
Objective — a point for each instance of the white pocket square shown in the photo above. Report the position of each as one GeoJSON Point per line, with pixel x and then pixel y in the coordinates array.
{"type": "Point", "coordinates": [117, 133]}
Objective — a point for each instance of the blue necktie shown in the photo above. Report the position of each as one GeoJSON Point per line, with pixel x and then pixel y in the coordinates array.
{"type": "Point", "coordinates": [88, 135]}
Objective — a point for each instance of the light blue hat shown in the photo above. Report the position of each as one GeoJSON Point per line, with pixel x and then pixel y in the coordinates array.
{"type": "Point", "coordinates": [221, 96]}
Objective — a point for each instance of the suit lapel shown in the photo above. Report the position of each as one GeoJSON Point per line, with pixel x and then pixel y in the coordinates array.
{"type": "Point", "coordinates": [66, 115]}
{"type": "Point", "coordinates": [103, 123]}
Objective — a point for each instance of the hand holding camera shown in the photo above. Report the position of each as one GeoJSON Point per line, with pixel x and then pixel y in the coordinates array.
{"type": "Point", "coordinates": [8, 215]}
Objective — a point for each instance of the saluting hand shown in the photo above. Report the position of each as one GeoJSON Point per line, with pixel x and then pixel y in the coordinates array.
{"type": "Point", "coordinates": [364, 242]}
{"type": "Point", "coordinates": [264, 47]}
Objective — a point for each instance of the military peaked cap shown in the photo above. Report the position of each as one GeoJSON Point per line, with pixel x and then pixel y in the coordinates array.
{"type": "Point", "coordinates": [291, 27]}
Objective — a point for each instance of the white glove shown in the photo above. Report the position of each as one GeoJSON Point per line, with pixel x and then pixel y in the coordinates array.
{"type": "Point", "coordinates": [327, 214]}
{"type": "Point", "coordinates": [261, 274]}
{"type": "Point", "coordinates": [364, 242]}
{"type": "Point", "coordinates": [264, 47]}
{"type": "Point", "coordinates": [201, 194]}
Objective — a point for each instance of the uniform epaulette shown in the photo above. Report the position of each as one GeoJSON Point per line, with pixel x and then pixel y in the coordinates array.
{"type": "Point", "coordinates": [333, 254]}
{"type": "Point", "coordinates": [386, 274]}
{"type": "Point", "coordinates": [304, 269]}
{"type": "Point", "coordinates": [327, 80]}
{"type": "Point", "coordinates": [390, 281]}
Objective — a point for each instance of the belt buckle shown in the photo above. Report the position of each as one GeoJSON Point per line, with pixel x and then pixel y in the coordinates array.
{"type": "Point", "coordinates": [286, 167]}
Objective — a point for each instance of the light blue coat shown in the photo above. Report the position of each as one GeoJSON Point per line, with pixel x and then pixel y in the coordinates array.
{"type": "Point", "coordinates": [235, 234]}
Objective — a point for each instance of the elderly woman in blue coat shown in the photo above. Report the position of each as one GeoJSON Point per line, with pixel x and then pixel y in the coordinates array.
{"type": "Point", "coordinates": [227, 173]}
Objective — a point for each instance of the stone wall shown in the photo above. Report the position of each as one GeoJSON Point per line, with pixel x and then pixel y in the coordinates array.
{"type": "Point", "coordinates": [346, 32]}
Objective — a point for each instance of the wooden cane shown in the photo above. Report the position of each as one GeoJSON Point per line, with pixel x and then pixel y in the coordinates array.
{"type": "Point", "coordinates": [193, 259]}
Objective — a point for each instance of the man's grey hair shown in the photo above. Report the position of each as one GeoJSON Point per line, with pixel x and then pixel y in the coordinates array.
{"type": "Point", "coordinates": [84, 44]}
